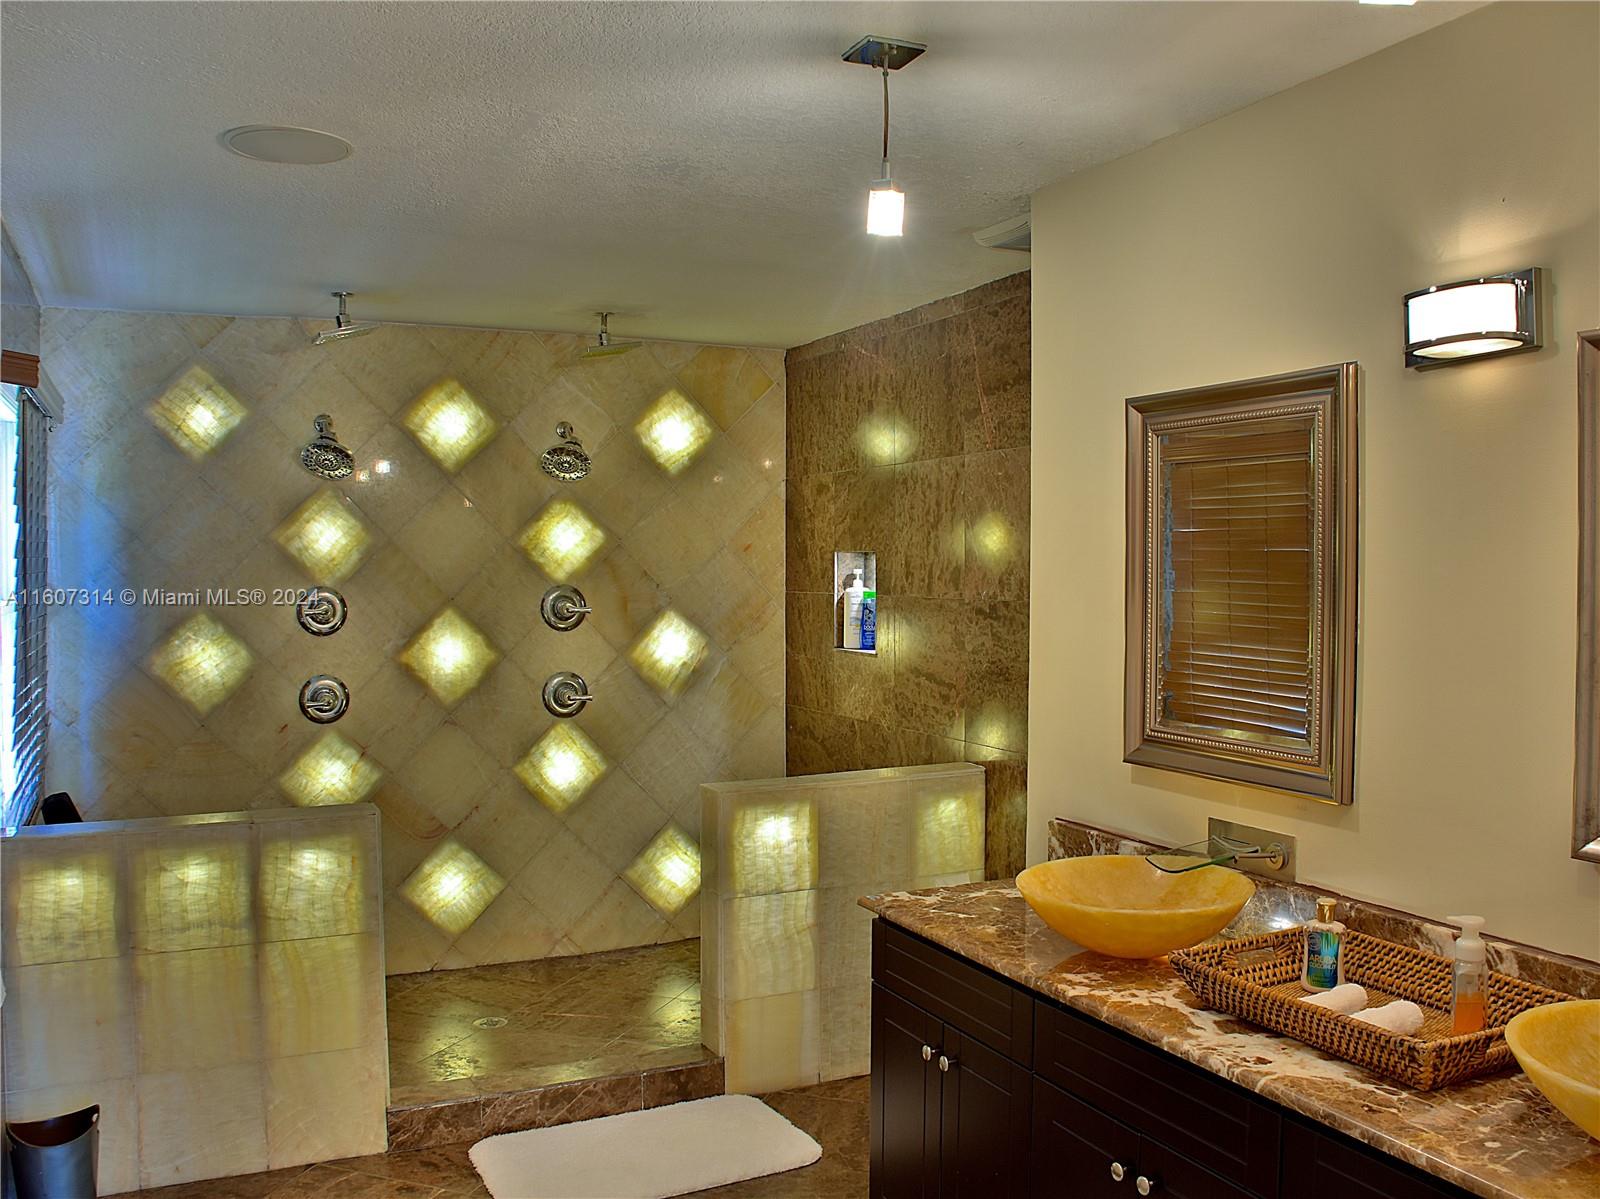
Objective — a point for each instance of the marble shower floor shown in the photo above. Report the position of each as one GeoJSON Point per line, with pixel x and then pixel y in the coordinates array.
{"type": "Point", "coordinates": [835, 1113]}
{"type": "Point", "coordinates": [454, 1034]}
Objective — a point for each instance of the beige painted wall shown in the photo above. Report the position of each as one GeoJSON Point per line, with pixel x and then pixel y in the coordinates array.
{"type": "Point", "coordinates": [1281, 237]}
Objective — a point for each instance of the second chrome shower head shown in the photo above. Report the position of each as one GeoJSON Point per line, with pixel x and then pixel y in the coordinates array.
{"type": "Point", "coordinates": [566, 460]}
{"type": "Point", "coordinates": [324, 455]}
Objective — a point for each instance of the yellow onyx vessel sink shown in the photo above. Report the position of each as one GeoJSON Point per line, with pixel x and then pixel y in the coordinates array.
{"type": "Point", "coordinates": [1559, 1046]}
{"type": "Point", "coordinates": [1125, 907]}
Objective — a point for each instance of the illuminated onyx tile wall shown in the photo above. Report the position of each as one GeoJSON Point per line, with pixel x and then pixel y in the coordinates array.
{"type": "Point", "coordinates": [909, 437]}
{"type": "Point", "coordinates": [786, 954]}
{"type": "Point", "coordinates": [216, 986]}
{"type": "Point", "coordinates": [506, 835]}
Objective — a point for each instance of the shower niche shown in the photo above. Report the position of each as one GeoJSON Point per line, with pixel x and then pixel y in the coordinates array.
{"type": "Point", "coordinates": [855, 601]}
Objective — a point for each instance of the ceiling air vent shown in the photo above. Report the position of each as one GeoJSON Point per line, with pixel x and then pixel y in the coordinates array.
{"type": "Point", "coordinates": [1013, 234]}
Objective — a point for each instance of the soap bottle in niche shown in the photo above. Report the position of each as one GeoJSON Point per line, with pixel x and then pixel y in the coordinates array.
{"type": "Point", "coordinates": [1324, 959]}
{"type": "Point", "coordinates": [854, 592]}
{"type": "Point", "coordinates": [1469, 1005]}
{"type": "Point", "coordinates": [869, 620]}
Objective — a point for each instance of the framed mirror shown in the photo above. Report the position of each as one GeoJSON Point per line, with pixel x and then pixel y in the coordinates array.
{"type": "Point", "coordinates": [1586, 776]}
{"type": "Point", "coordinates": [1241, 582]}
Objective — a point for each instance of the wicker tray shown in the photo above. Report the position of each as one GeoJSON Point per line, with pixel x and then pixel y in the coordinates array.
{"type": "Point", "coordinates": [1258, 979]}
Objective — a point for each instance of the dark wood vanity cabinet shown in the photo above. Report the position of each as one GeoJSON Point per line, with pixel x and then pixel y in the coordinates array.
{"type": "Point", "coordinates": [981, 1090]}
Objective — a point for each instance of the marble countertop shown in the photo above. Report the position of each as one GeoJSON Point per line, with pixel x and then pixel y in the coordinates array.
{"type": "Point", "coordinates": [1496, 1137]}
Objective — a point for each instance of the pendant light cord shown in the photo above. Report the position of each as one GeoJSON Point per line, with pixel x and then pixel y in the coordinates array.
{"type": "Point", "coordinates": [885, 121]}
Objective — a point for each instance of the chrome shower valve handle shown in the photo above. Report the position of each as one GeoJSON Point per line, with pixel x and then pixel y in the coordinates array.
{"type": "Point", "coordinates": [566, 694]}
{"type": "Point", "coordinates": [324, 699]}
{"type": "Point", "coordinates": [321, 611]}
{"type": "Point", "coordinates": [563, 607]}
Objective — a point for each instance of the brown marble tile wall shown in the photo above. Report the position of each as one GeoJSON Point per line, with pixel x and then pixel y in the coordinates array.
{"type": "Point", "coordinates": [130, 510]}
{"type": "Point", "coordinates": [910, 437]}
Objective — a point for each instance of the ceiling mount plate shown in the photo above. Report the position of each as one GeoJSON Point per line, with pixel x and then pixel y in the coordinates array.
{"type": "Point", "coordinates": [891, 52]}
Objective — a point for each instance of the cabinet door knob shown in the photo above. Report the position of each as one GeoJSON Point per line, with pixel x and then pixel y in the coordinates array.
{"type": "Point", "coordinates": [946, 1064]}
{"type": "Point", "coordinates": [1118, 1172]}
{"type": "Point", "coordinates": [1146, 1186]}
{"type": "Point", "coordinates": [927, 1053]}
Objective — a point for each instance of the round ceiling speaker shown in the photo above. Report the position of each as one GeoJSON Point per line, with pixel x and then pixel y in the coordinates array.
{"type": "Point", "coordinates": [286, 143]}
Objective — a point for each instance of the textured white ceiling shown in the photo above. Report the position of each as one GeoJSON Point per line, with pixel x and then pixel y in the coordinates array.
{"type": "Point", "coordinates": [699, 167]}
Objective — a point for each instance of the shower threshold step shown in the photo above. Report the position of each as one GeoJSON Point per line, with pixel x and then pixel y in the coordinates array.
{"type": "Point", "coordinates": [470, 1118]}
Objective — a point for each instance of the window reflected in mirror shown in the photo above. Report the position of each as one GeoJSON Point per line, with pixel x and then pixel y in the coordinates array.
{"type": "Point", "coordinates": [1241, 579]}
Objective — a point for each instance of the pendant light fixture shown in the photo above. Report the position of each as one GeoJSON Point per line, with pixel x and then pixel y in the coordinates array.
{"type": "Point", "coordinates": [886, 203]}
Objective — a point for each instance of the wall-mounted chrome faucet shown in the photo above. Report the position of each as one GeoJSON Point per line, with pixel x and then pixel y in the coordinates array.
{"type": "Point", "coordinates": [1253, 850]}
{"type": "Point", "coordinates": [566, 694]}
{"type": "Point", "coordinates": [564, 607]}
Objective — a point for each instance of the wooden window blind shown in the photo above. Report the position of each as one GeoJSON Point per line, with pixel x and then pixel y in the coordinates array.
{"type": "Point", "coordinates": [1239, 527]}
{"type": "Point", "coordinates": [30, 715]}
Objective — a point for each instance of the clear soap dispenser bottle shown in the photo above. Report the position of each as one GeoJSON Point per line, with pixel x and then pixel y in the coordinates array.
{"type": "Point", "coordinates": [1469, 1006]}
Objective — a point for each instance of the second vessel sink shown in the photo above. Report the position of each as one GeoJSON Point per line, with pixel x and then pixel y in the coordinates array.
{"type": "Point", "coordinates": [1559, 1046]}
{"type": "Point", "coordinates": [1125, 907]}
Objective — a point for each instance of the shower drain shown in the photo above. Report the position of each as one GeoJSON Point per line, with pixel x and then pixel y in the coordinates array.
{"type": "Point", "coordinates": [490, 1022]}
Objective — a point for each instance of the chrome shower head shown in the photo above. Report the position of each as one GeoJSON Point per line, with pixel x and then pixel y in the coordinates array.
{"type": "Point", "coordinates": [603, 346]}
{"type": "Point", "coordinates": [324, 455]}
{"type": "Point", "coordinates": [566, 460]}
{"type": "Point", "coordinates": [342, 325]}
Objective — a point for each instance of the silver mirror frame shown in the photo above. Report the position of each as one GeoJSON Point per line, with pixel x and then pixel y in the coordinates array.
{"type": "Point", "coordinates": [1326, 770]}
{"type": "Point", "coordinates": [1586, 771]}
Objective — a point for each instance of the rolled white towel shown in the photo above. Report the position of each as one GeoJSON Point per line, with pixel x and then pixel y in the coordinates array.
{"type": "Point", "coordinates": [1402, 1016]}
{"type": "Point", "coordinates": [1346, 999]}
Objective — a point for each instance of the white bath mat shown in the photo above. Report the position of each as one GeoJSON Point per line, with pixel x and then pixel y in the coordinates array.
{"type": "Point", "coordinates": [652, 1154]}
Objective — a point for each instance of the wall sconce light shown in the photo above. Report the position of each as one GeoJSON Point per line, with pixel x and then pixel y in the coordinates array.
{"type": "Point", "coordinates": [1475, 318]}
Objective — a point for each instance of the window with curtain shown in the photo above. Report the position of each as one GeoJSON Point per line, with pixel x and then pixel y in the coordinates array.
{"type": "Point", "coordinates": [23, 717]}
{"type": "Point", "coordinates": [1241, 580]}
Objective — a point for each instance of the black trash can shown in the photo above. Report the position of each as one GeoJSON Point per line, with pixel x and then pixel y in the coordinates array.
{"type": "Point", "coordinates": [56, 1158]}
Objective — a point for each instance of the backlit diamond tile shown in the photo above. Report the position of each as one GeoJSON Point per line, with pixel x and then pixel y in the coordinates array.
{"type": "Point", "coordinates": [667, 653]}
{"type": "Point", "coordinates": [196, 413]}
{"type": "Point", "coordinates": [449, 424]}
{"type": "Point", "coordinates": [332, 771]}
{"type": "Point", "coordinates": [667, 873]}
{"type": "Point", "coordinates": [673, 430]}
{"type": "Point", "coordinates": [311, 886]}
{"type": "Point", "coordinates": [948, 835]}
{"type": "Point", "coordinates": [561, 767]}
{"type": "Point", "coordinates": [449, 657]}
{"type": "Point", "coordinates": [562, 539]}
{"type": "Point", "coordinates": [202, 662]}
{"type": "Point", "coordinates": [773, 847]}
{"type": "Point", "coordinates": [452, 887]}
{"type": "Point", "coordinates": [191, 897]}
{"type": "Point", "coordinates": [326, 535]}
{"type": "Point", "coordinates": [66, 908]}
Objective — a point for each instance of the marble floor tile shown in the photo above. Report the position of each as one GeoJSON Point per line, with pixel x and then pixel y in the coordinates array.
{"type": "Point", "coordinates": [488, 1030]}
{"type": "Point", "coordinates": [835, 1113]}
